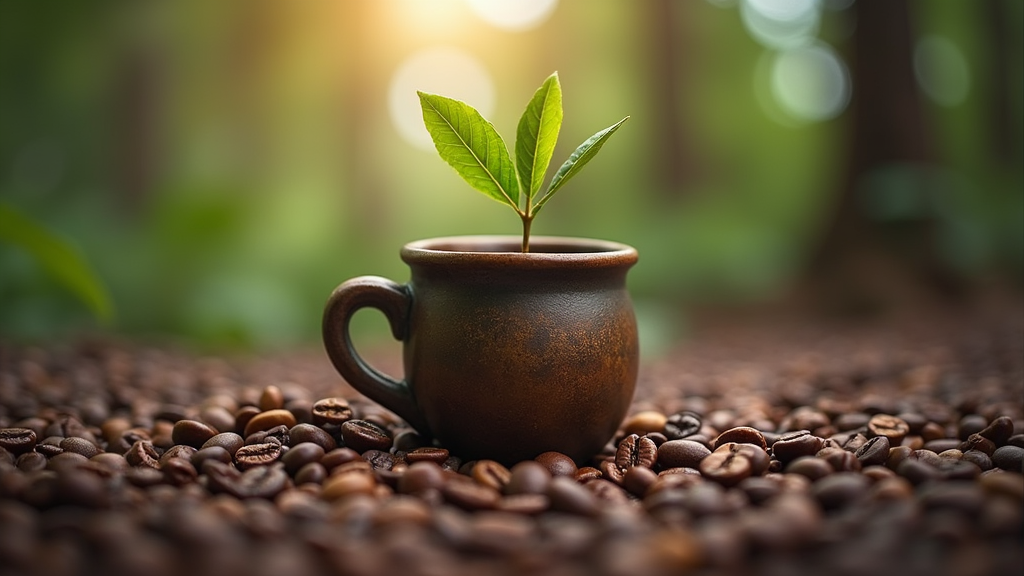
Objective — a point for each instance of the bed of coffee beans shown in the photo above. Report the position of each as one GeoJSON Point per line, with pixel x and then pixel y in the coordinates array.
{"type": "Point", "coordinates": [839, 457]}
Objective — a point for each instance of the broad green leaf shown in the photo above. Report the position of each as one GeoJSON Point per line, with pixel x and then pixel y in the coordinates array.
{"type": "Point", "coordinates": [537, 134]}
{"type": "Point", "coordinates": [60, 260]}
{"type": "Point", "coordinates": [471, 145]}
{"type": "Point", "coordinates": [579, 158]}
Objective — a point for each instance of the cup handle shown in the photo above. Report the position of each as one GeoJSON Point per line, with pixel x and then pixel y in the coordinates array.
{"type": "Point", "coordinates": [394, 301]}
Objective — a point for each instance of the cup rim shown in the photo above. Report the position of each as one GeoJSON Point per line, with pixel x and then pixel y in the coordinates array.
{"type": "Point", "coordinates": [504, 250]}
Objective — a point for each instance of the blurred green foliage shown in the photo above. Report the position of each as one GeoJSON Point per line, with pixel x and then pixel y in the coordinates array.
{"type": "Point", "coordinates": [224, 165]}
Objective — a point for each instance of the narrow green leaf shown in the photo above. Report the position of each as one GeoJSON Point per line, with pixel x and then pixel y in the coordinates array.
{"type": "Point", "coordinates": [60, 260]}
{"type": "Point", "coordinates": [471, 145]}
{"type": "Point", "coordinates": [537, 135]}
{"type": "Point", "coordinates": [583, 154]}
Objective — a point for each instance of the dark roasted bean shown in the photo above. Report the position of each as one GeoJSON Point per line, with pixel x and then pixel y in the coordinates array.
{"type": "Point", "coordinates": [840, 489]}
{"type": "Point", "coordinates": [17, 440]}
{"type": "Point", "coordinates": [682, 424]}
{"type": "Point", "coordinates": [430, 454]}
{"type": "Point", "coordinates": [635, 450]}
{"type": "Point", "coordinates": [142, 453]}
{"type": "Point", "coordinates": [874, 452]}
{"type": "Point", "coordinates": [758, 458]}
{"type": "Point", "coordinates": [301, 454]}
{"type": "Point", "coordinates": [79, 446]}
{"type": "Point", "coordinates": [681, 453]}
{"type": "Point", "coordinates": [269, 419]}
{"type": "Point", "coordinates": [192, 433]}
{"type": "Point", "coordinates": [332, 411]}
{"type": "Point", "coordinates": [470, 495]}
{"type": "Point", "coordinates": [491, 474]}
{"type": "Point", "coordinates": [312, 473]}
{"type": "Point", "coordinates": [793, 445]}
{"type": "Point", "coordinates": [726, 468]}
{"type": "Point", "coordinates": [226, 440]}
{"type": "Point", "coordinates": [178, 472]}
{"type": "Point", "coordinates": [971, 424]}
{"type": "Point", "coordinates": [217, 453]}
{"type": "Point", "coordinates": [557, 464]}
{"type": "Point", "coordinates": [998, 430]}
{"type": "Point", "coordinates": [810, 467]}
{"type": "Point", "coordinates": [271, 398]}
{"type": "Point", "coordinates": [1009, 458]}
{"type": "Point", "coordinates": [309, 433]}
{"type": "Point", "coordinates": [362, 435]}
{"type": "Point", "coordinates": [889, 426]}
{"type": "Point", "coordinates": [742, 435]}
{"type": "Point", "coordinates": [567, 495]}
{"type": "Point", "coordinates": [528, 477]}
{"type": "Point", "coordinates": [257, 455]}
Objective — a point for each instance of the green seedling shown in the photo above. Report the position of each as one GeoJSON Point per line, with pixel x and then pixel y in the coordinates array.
{"type": "Point", "coordinates": [471, 145]}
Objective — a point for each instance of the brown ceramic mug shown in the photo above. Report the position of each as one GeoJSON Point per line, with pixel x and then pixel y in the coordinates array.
{"type": "Point", "coordinates": [506, 354]}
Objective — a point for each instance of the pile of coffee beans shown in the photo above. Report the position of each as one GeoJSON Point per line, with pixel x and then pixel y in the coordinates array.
{"type": "Point", "coordinates": [876, 460]}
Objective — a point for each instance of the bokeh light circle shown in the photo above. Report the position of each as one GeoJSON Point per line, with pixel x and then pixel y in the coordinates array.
{"type": "Point", "coordinates": [781, 24]}
{"type": "Point", "coordinates": [810, 83]}
{"type": "Point", "coordinates": [513, 15]}
{"type": "Point", "coordinates": [446, 71]}
{"type": "Point", "coordinates": [941, 70]}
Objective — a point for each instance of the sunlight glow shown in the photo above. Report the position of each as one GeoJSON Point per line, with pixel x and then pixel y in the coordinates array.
{"type": "Point", "coordinates": [513, 15]}
{"type": "Point", "coordinates": [811, 83]}
{"type": "Point", "coordinates": [941, 70]}
{"type": "Point", "coordinates": [447, 71]}
{"type": "Point", "coordinates": [781, 24]}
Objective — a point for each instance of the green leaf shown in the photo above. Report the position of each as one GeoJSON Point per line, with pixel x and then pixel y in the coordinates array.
{"type": "Point", "coordinates": [537, 135]}
{"type": "Point", "coordinates": [60, 260]}
{"type": "Point", "coordinates": [471, 145]}
{"type": "Point", "coordinates": [579, 158]}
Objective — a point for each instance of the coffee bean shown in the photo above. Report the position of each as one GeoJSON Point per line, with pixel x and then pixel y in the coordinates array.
{"type": "Point", "coordinates": [217, 453]}
{"type": "Point", "coordinates": [192, 433]}
{"type": "Point", "coordinates": [429, 454]}
{"type": "Point", "coordinates": [977, 442]}
{"type": "Point", "coordinates": [142, 453]}
{"type": "Point", "coordinates": [810, 467]}
{"type": "Point", "coordinates": [681, 453]}
{"type": "Point", "coordinates": [758, 458]}
{"type": "Point", "coordinates": [889, 426]}
{"type": "Point", "coordinates": [971, 424]}
{"type": "Point", "coordinates": [566, 495]}
{"type": "Point", "coordinates": [840, 489]}
{"type": "Point", "coordinates": [226, 440]}
{"type": "Point", "coordinates": [635, 450]}
{"type": "Point", "coordinates": [257, 455]}
{"type": "Point", "coordinates": [262, 482]}
{"type": "Point", "coordinates": [528, 477]}
{"type": "Point", "coordinates": [528, 504]}
{"type": "Point", "coordinates": [30, 462]}
{"type": "Point", "coordinates": [942, 444]}
{"type": "Point", "coordinates": [793, 445]}
{"type": "Point", "coordinates": [177, 451]}
{"type": "Point", "coordinates": [557, 464]}
{"type": "Point", "coordinates": [301, 454]}
{"type": "Point", "coordinates": [362, 435]}
{"type": "Point", "coordinates": [470, 495]}
{"type": "Point", "coordinates": [334, 411]}
{"type": "Point", "coordinates": [637, 479]}
{"type": "Point", "coordinates": [269, 419]}
{"type": "Point", "coordinates": [491, 474]}
{"type": "Point", "coordinates": [79, 446]}
{"type": "Point", "coordinates": [998, 430]}
{"type": "Point", "coordinates": [17, 440]}
{"type": "Point", "coordinates": [312, 473]}
{"type": "Point", "coordinates": [644, 422]}
{"type": "Point", "coordinates": [874, 452]}
{"type": "Point", "coordinates": [1009, 458]}
{"type": "Point", "coordinates": [682, 424]}
{"type": "Point", "coordinates": [178, 472]}
{"type": "Point", "coordinates": [346, 484]}
{"type": "Point", "coordinates": [271, 398]}
{"type": "Point", "coordinates": [587, 473]}
{"type": "Point", "coordinates": [980, 459]}
{"type": "Point", "coordinates": [918, 471]}
{"type": "Point", "coordinates": [840, 460]}
{"type": "Point", "coordinates": [726, 468]}
{"type": "Point", "coordinates": [379, 460]}
{"type": "Point", "coordinates": [242, 417]}
{"type": "Point", "coordinates": [309, 433]}
{"type": "Point", "coordinates": [742, 435]}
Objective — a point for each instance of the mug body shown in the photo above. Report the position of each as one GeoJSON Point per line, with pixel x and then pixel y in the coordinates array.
{"type": "Point", "coordinates": [512, 354]}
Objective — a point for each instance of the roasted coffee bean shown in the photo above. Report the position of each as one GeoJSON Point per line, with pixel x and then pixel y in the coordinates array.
{"type": "Point", "coordinates": [840, 489]}
{"type": "Point", "coordinates": [429, 454]}
{"type": "Point", "coordinates": [491, 474]}
{"type": "Point", "coordinates": [1009, 458]}
{"type": "Point", "coordinates": [271, 398]}
{"type": "Point", "coordinates": [636, 480]}
{"type": "Point", "coordinates": [759, 488]}
{"type": "Point", "coordinates": [301, 454]}
{"type": "Point", "coordinates": [587, 473]}
{"type": "Point", "coordinates": [379, 460]}
{"type": "Point", "coordinates": [269, 419]}
{"type": "Point", "coordinates": [840, 460]}
{"type": "Point", "coordinates": [527, 504]}
{"type": "Point", "coordinates": [217, 453]}
{"type": "Point", "coordinates": [192, 433]}
{"type": "Point", "coordinates": [309, 433]}
{"type": "Point", "coordinates": [218, 417]}
{"type": "Point", "coordinates": [362, 435]}
{"type": "Point", "coordinates": [726, 468]}
{"type": "Point", "coordinates": [567, 495]}
{"type": "Point", "coordinates": [645, 422]}
{"type": "Point", "coordinates": [682, 424]}
{"type": "Point", "coordinates": [889, 426]}
{"type": "Point", "coordinates": [635, 450]}
{"type": "Point", "coordinates": [557, 464]}
{"type": "Point", "coordinates": [257, 455]}
{"type": "Point", "coordinates": [874, 452]}
{"type": "Point", "coordinates": [528, 477]}
{"type": "Point", "coordinates": [226, 440]}
{"type": "Point", "coordinates": [849, 441]}
{"type": "Point", "coordinates": [681, 453]}
{"type": "Point", "coordinates": [79, 446]}
{"type": "Point", "coordinates": [758, 458]}
{"type": "Point", "coordinates": [998, 430]}
{"type": "Point", "coordinates": [469, 495]}
{"type": "Point", "coordinates": [142, 453]}
{"type": "Point", "coordinates": [420, 477]}
{"type": "Point", "coordinates": [30, 462]}
{"type": "Point", "coordinates": [177, 451]}
{"type": "Point", "coordinates": [810, 467]}
{"type": "Point", "coordinates": [332, 411]}
{"type": "Point", "coordinates": [979, 443]}
{"type": "Point", "coordinates": [942, 445]}
{"type": "Point", "coordinates": [178, 472]}
{"type": "Point", "coordinates": [918, 471]}
{"type": "Point", "coordinates": [312, 473]}
{"type": "Point", "coordinates": [931, 431]}
{"type": "Point", "coordinates": [897, 454]}
{"type": "Point", "coordinates": [793, 445]}
{"type": "Point", "coordinates": [971, 424]}
{"type": "Point", "coordinates": [17, 440]}
{"type": "Point", "coordinates": [980, 459]}
{"type": "Point", "coordinates": [345, 484]}
{"type": "Point", "coordinates": [851, 421]}
{"type": "Point", "coordinates": [742, 435]}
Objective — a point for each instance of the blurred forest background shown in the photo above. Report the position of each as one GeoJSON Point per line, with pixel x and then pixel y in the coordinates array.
{"type": "Point", "coordinates": [210, 171]}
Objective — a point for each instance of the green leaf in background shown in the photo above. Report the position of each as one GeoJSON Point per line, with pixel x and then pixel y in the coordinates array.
{"type": "Point", "coordinates": [471, 145]}
{"type": "Point", "coordinates": [537, 134]}
{"type": "Point", "coordinates": [583, 154]}
{"type": "Point", "coordinates": [60, 260]}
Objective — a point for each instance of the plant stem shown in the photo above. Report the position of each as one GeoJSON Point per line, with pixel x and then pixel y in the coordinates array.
{"type": "Point", "coordinates": [527, 220]}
